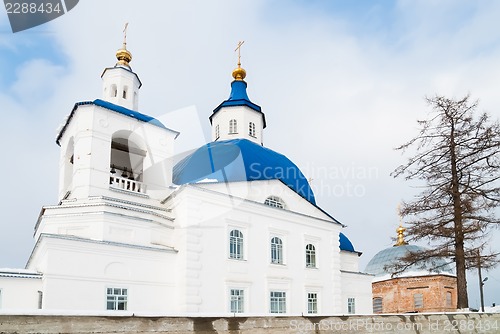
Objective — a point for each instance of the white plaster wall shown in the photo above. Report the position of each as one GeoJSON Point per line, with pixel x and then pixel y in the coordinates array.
{"type": "Point", "coordinates": [92, 129]}
{"type": "Point", "coordinates": [357, 286]}
{"type": "Point", "coordinates": [122, 78]}
{"type": "Point", "coordinates": [76, 275]}
{"type": "Point", "coordinates": [204, 220]}
{"type": "Point", "coordinates": [349, 261]}
{"type": "Point", "coordinates": [19, 293]}
{"type": "Point", "coordinates": [258, 191]}
{"type": "Point", "coordinates": [100, 219]}
{"type": "Point", "coordinates": [243, 115]}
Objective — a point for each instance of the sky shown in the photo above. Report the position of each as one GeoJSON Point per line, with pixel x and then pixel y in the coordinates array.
{"type": "Point", "coordinates": [341, 83]}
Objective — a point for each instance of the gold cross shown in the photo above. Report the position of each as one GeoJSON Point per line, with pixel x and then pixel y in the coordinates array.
{"type": "Point", "coordinates": [238, 48]}
{"type": "Point", "coordinates": [125, 34]}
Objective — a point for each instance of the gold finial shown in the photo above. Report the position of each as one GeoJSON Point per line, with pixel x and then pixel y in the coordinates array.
{"type": "Point", "coordinates": [123, 55]}
{"type": "Point", "coordinates": [401, 237]}
{"type": "Point", "coordinates": [400, 230]}
{"type": "Point", "coordinates": [239, 73]}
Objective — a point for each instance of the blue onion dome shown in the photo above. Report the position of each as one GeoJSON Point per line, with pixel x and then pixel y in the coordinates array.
{"type": "Point", "coordinates": [240, 160]}
{"type": "Point", "coordinates": [380, 264]}
{"type": "Point", "coordinates": [345, 243]}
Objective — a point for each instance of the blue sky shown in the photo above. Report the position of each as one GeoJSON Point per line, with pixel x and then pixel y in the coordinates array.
{"type": "Point", "coordinates": [341, 82]}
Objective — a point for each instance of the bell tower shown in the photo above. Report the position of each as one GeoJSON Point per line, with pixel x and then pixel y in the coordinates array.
{"type": "Point", "coordinates": [108, 148]}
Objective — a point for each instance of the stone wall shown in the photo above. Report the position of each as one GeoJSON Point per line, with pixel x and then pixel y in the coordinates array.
{"type": "Point", "coordinates": [408, 324]}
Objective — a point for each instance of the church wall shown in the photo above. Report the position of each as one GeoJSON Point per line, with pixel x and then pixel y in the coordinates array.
{"type": "Point", "coordinates": [204, 222]}
{"type": "Point", "coordinates": [77, 273]}
{"type": "Point", "coordinates": [357, 286]}
{"type": "Point", "coordinates": [92, 129]}
{"type": "Point", "coordinates": [258, 191]}
{"type": "Point", "coordinates": [349, 261]}
{"type": "Point", "coordinates": [19, 293]}
{"type": "Point", "coordinates": [398, 294]}
{"type": "Point", "coordinates": [243, 115]}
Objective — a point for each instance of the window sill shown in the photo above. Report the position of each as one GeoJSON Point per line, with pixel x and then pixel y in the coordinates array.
{"type": "Point", "coordinates": [283, 265]}
{"type": "Point", "coordinates": [237, 260]}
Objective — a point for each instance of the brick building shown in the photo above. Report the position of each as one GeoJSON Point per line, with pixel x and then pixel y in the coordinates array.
{"type": "Point", "coordinates": [425, 287]}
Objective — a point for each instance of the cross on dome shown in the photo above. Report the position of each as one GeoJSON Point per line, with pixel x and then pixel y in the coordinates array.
{"type": "Point", "coordinates": [124, 56]}
{"type": "Point", "coordinates": [239, 73]}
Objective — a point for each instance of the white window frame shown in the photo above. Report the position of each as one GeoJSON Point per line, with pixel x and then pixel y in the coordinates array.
{"type": "Point", "coordinates": [277, 302]}
{"type": "Point", "coordinates": [251, 129]}
{"type": "Point", "coordinates": [310, 255]}
{"type": "Point", "coordinates": [312, 302]}
{"type": "Point", "coordinates": [351, 305]}
{"type": "Point", "coordinates": [237, 296]}
{"type": "Point", "coordinates": [233, 126]}
{"type": "Point", "coordinates": [217, 132]}
{"type": "Point", "coordinates": [275, 202]}
{"type": "Point", "coordinates": [277, 247]}
{"type": "Point", "coordinates": [238, 243]}
{"type": "Point", "coordinates": [115, 295]}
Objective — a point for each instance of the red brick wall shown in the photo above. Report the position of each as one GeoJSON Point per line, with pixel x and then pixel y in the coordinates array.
{"type": "Point", "coordinates": [398, 293]}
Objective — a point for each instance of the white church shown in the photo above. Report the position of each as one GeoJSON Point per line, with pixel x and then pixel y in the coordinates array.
{"type": "Point", "coordinates": [231, 229]}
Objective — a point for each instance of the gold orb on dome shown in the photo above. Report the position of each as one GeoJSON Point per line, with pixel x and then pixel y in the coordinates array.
{"type": "Point", "coordinates": [239, 73]}
{"type": "Point", "coordinates": [124, 56]}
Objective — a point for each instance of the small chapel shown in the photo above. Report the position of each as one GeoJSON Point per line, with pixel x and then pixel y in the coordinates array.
{"type": "Point", "coordinates": [428, 286]}
{"type": "Point", "coordinates": [232, 228]}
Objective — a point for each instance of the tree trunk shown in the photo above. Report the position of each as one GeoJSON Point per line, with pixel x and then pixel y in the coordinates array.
{"type": "Point", "coordinates": [462, 300]}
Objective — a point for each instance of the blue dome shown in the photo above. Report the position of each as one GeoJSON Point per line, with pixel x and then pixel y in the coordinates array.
{"type": "Point", "coordinates": [345, 243]}
{"type": "Point", "coordinates": [380, 263]}
{"type": "Point", "coordinates": [240, 160]}
{"type": "Point", "coordinates": [239, 97]}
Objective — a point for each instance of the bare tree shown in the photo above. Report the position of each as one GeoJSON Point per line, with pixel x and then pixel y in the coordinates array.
{"type": "Point", "coordinates": [456, 158]}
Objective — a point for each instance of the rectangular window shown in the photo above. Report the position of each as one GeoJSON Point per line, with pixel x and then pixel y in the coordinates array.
{"type": "Point", "coordinates": [0, 298]}
{"type": "Point", "coordinates": [448, 299]}
{"type": "Point", "coordinates": [351, 305]}
{"type": "Point", "coordinates": [237, 300]}
{"type": "Point", "coordinates": [278, 302]}
{"type": "Point", "coordinates": [418, 300]}
{"type": "Point", "coordinates": [377, 305]}
{"type": "Point", "coordinates": [116, 299]}
{"type": "Point", "coordinates": [312, 303]}
{"type": "Point", "coordinates": [40, 299]}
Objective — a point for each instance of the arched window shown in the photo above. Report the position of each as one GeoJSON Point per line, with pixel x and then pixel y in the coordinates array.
{"type": "Point", "coordinates": [233, 126]}
{"type": "Point", "coordinates": [275, 201]}
{"type": "Point", "coordinates": [124, 94]}
{"type": "Point", "coordinates": [217, 132]}
{"type": "Point", "coordinates": [236, 245]}
{"type": "Point", "coordinates": [251, 129]}
{"type": "Point", "coordinates": [114, 91]}
{"type": "Point", "coordinates": [310, 256]}
{"type": "Point", "coordinates": [276, 250]}
{"type": "Point", "coordinates": [126, 162]}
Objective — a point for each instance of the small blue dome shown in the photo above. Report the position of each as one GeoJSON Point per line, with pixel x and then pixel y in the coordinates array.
{"type": "Point", "coordinates": [239, 97]}
{"type": "Point", "coordinates": [380, 264]}
{"type": "Point", "coordinates": [345, 243]}
{"type": "Point", "coordinates": [240, 160]}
